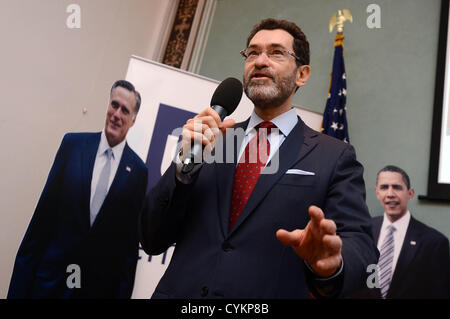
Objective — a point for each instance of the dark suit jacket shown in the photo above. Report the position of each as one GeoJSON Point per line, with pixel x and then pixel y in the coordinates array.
{"type": "Point", "coordinates": [249, 262]}
{"type": "Point", "coordinates": [423, 268]}
{"type": "Point", "coordinates": [60, 234]}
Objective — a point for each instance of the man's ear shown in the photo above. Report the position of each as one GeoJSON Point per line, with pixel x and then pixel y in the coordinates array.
{"type": "Point", "coordinates": [411, 193]}
{"type": "Point", "coordinates": [377, 193]}
{"type": "Point", "coordinates": [133, 118]}
{"type": "Point", "coordinates": [303, 73]}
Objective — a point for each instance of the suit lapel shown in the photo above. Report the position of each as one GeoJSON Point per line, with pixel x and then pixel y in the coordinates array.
{"type": "Point", "coordinates": [377, 222]}
{"type": "Point", "coordinates": [124, 169]}
{"type": "Point", "coordinates": [407, 254]}
{"type": "Point", "coordinates": [225, 172]}
{"type": "Point", "coordinates": [88, 153]}
{"type": "Point", "coordinates": [301, 138]}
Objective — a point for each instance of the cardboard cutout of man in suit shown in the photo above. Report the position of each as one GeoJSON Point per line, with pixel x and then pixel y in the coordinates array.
{"type": "Point", "coordinates": [82, 240]}
{"type": "Point", "coordinates": [420, 266]}
{"type": "Point", "coordinates": [304, 228]}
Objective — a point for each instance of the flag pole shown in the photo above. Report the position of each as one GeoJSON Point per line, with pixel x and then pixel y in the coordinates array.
{"type": "Point", "coordinates": [334, 118]}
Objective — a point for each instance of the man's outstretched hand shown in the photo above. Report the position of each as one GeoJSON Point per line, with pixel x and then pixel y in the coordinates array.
{"type": "Point", "coordinates": [317, 243]}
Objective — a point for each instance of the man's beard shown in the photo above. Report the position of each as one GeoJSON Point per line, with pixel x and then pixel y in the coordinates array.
{"type": "Point", "coordinates": [270, 95]}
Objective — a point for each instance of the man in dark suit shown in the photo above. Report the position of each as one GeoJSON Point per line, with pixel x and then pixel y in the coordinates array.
{"type": "Point", "coordinates": [82, 240]}
{"type": "Point", "coordinates": [418, 263]}
{"type": "Point", "coordinates": [234, 227]}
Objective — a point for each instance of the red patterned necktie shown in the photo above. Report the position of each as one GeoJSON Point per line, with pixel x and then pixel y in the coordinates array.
{"type": "Point", "coordinates": [250, 166]}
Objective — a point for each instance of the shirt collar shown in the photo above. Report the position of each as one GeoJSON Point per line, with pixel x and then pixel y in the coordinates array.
{"type": "Point", "coordinates": [401, 223]}
{"type": "Point", "coordinates": [116, 150]}
{"type": "Point", "coordinates": [285, 122]}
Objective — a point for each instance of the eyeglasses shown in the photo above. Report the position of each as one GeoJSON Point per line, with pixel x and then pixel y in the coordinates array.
{"type": "Point", "coordinates": [274, 54]}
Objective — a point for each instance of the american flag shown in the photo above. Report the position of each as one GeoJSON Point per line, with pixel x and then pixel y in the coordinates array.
{"type": "Point", "coordinates": [334, 118]}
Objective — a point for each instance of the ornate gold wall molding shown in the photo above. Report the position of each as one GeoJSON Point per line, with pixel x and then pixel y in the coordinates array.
{"type": "Point", "coordinates": [179, 35]}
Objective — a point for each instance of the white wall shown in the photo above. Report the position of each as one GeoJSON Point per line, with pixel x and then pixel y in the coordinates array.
{"type": "Point", "coordinates": [49, 73]}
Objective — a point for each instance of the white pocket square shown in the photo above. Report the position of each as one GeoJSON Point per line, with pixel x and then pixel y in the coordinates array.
{"type": "Point", "coordinates": [299, 172]}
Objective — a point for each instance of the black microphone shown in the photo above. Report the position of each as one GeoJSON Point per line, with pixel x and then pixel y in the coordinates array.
{"type": "Point", "coordinates": [224, 101]}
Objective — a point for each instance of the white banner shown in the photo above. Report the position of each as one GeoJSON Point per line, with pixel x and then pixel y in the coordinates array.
{"type": "Point", "coordinates": [169, 97]}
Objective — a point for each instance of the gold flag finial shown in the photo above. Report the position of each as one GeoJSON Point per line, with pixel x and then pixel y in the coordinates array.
{"type": "Point", "coordinates": [338, 18]}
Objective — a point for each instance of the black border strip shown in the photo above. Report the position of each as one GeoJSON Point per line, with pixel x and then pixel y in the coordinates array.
{"type": "Point", "coordinates": [437, 191]}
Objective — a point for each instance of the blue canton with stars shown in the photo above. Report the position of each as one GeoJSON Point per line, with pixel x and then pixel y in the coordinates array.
{"type": "Point", "coordinates": [334, 118]}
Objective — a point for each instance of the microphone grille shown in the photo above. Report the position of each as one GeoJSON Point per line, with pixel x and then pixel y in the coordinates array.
{"type": "Point", "coordinates": [228, 94]}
